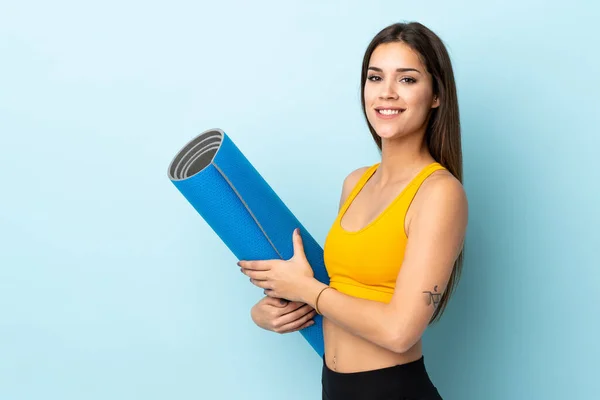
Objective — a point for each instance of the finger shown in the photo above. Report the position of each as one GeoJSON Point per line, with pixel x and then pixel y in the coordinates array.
{"type": "Point", "coordinates": [296, 324]}
{"type": "Point", "coordinates": [295, 315]}
{"type": "Point", "coordinates": [306, 325]}
{"type": "Point", "coordinates": [298, 244]}
{"type": "Point", "coordinates": [263, 285]}
{"type": "Point", "coordinates": [257, 265]}
{"type": "Point", "coordinates": [292, 306]}
{"type": "Point", "coordinates": [275, 302]}
{"type": "Point", "coordinates": [271, 293]}
{"type": "Point", "coordinates": [257, 275]}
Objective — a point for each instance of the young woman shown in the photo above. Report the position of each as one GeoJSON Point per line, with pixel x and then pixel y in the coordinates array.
{"type": "Point", "coordinates": [394, 251]}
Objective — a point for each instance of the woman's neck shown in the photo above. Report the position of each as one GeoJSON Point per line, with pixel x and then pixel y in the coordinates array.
{"type": "Point", "coordinates": [401, 159]}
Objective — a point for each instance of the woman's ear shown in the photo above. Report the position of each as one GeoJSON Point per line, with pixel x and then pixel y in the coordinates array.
{"type": "Point", "coordinates": [436, 101]}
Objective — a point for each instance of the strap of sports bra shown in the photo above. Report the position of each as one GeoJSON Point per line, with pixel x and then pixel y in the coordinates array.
{"type": "Point", "coordinates": [359, 185]}
{"type": "Point", "coordinates": [410, 190]}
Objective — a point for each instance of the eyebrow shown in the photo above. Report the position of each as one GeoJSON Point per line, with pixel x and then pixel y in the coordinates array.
{"type": "Point", "coordinates": [397, 69]}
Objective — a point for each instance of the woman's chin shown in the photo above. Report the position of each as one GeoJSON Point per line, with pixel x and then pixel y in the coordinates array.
{"type": "Point", "coordinates": [386, 133]}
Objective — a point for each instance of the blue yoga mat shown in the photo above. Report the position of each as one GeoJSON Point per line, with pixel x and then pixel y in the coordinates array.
{"type": "Point", "coordinates": [242, 209]}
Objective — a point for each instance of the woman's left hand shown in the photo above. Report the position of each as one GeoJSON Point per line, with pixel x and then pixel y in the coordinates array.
{"type": "Point", "coordinates": [287, 279]}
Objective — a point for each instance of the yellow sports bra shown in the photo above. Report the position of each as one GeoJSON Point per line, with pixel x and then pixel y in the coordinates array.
{"type": "Point", "coordinates": [366, 263]}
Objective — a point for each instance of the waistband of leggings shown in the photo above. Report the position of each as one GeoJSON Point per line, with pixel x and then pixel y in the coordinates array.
{"type": "Point", "coordinates": [411, 370]}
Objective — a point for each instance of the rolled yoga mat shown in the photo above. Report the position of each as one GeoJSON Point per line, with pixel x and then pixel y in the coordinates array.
{"type": "Point", "coordinates": [242, 209]}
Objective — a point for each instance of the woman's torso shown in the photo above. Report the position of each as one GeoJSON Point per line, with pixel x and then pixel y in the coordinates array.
{"type": "Point", "coordinates": [363, 254]}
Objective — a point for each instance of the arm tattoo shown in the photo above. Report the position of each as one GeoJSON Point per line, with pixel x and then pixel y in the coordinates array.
{"type": "Point", "coordinates": [433, 297]}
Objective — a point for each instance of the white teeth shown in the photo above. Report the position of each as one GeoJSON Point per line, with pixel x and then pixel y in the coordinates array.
{"type": "Point", "coordinates": [389, 112]}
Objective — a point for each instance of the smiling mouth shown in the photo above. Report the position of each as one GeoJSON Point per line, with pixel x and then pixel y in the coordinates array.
{"type": "Point", "coordinates": [389, 111]}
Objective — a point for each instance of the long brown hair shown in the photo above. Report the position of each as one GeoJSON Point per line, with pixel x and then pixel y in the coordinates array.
{"type": "Point", "coordinates": [443, 128]}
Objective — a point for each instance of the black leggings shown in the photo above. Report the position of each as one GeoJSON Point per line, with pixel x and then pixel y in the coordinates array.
{"type": "Point", "coordinates": [408, 381]}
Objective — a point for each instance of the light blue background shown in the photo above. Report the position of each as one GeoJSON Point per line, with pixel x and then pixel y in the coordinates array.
{"type": "Point", "coordinates": [112, 287]}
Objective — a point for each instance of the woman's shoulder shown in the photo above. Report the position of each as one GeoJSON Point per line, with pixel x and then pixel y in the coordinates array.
{"type": "Point", "coordinates": [354, 176]}
{"type": "Point", "coordinates": [350, 181]}
{"type": "Point", "coordinates": [441, 193]}
{"type": "Point", "coordinates": [442, 183]}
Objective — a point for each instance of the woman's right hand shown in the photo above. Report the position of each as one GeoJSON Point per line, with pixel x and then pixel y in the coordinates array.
{"type": "Point", "coordinates": [282, 316]}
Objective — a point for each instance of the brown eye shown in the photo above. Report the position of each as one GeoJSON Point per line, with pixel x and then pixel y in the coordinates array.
{"type": "Point", "coordinates": [408, 80]}
{"type": "Point", "coordinates": [374, 78]}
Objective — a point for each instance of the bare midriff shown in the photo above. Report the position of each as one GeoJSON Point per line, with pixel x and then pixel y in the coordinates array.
{"type": "Point", "coordinates": [345, 352]}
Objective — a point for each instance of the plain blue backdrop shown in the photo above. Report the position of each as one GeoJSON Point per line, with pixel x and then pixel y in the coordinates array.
{"type": "Point", "coordinates": [112, 287]}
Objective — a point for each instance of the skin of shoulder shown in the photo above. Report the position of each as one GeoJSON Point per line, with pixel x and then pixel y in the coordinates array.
{"type": "Point", "coordinates": [441, 189]}
{"type": "Point", "coordinates": [349, 182]}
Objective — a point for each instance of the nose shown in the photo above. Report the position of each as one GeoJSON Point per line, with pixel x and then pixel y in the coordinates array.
{"type": "Point", "coordinates": [388, 92]}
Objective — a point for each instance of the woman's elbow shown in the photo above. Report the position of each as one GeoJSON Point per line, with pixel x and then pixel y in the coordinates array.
{"type": "Point", "coordinates": [401, 341]}
{"type": "Point", "coordinates": [400, 346]}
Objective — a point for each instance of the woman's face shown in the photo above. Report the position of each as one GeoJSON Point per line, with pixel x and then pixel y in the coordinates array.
{"type": "Point", "coordinates": [398, 91]}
